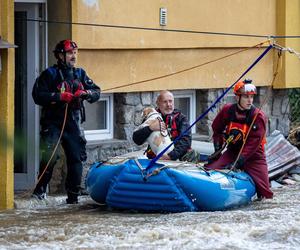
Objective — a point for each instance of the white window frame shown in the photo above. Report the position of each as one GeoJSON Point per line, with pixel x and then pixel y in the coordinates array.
{"type": "Point", "coordinates": [103, 134]}
{"type": "Point", "coordinates": [191, 94]}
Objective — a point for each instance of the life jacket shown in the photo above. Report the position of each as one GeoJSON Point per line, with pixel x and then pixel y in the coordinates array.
{"type": "Point", "coordinates": [239, 129]}
{"type": "Point", "coordinates": [172, 125]}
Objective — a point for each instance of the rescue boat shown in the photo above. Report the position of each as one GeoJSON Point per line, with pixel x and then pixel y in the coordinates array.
{"type": "Point", "coordinates": [167, 186]}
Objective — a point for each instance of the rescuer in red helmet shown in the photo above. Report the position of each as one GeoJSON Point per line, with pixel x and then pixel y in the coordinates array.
{"type": "Point", "coordinates": [235, 120]}
{"type": "Point", "coordinates": [57, 86]}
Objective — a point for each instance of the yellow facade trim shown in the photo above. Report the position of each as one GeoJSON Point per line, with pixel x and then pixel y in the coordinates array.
{"type": "Point", "coordinates": [288, 16]}
{"type": "Point", "coordinates": [7, 107]}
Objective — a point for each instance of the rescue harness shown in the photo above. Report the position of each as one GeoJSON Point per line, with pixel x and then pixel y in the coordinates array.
{"type": "Point", "coordinates": [237, 130]}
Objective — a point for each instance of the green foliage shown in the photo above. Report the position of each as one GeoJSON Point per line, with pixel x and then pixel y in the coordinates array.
{"type": "Point", "coordinates": [294, 99]}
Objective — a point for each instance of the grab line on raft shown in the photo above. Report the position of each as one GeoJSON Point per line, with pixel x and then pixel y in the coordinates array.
{"type": "Point", "coordinates": [210, 107]}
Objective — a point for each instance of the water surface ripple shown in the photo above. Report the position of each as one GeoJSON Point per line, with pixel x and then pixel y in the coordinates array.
{"type": "Point", "coordinates": [269, 224]}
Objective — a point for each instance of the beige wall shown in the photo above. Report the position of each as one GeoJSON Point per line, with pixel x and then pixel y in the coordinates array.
{"type": "Point", "coordinates": [58, 32]}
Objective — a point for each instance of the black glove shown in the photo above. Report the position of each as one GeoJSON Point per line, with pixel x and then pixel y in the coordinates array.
{"type": "Point", "coordinates": [240, 163]}
{"type": "Point", "coordinates": [217, 146]}
{"type": "Point", "coordinates": [237, 136]}
{"type": "Point", "coordinates": [216, 155]}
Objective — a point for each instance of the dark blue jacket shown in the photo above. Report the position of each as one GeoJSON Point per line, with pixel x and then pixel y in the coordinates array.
{"type": "Point", "coordinates": [47, 88]}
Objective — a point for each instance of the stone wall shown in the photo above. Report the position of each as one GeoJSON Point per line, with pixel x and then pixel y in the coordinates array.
{"type": "Point", "coordinates": [128, 110]}
{"type": "Point", "coordinates": [274, 103]}
{"type": "Point", "coordinates": [278, 112]}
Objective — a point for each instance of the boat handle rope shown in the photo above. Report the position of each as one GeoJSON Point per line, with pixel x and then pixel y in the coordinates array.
{"type": "Point", "coordinates": [213, 105]}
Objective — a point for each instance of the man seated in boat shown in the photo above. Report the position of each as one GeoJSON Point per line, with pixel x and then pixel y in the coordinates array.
{"type": "Point", "coordinates": [173, 121]}
{"type": "Point", "coordinates": [243, 144]}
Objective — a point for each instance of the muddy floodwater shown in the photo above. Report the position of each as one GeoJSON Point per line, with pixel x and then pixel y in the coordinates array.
{"type": "Point", "coordinates": [269, 224]}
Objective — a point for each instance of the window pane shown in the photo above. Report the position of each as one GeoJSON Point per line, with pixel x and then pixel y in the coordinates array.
{"type": "Point", "coordinates": [183, 104]}
{"type": "Point", "coordinates": [96, 116]}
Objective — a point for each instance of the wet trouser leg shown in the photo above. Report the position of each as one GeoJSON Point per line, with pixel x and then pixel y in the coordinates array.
{"type": "Point", "coordinates": [258, 170]}
{"type": "Point", "coordinates": [74, 146]}
{"type": "Point", "coordinates": [49, 139]}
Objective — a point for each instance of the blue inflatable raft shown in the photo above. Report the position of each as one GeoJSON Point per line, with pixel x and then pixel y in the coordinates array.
{"type": "Point", "coordinates": [166, 188]}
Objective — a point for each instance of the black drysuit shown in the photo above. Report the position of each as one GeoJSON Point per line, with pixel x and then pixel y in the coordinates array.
{"type": "Point", "coordinates": [46, 93]}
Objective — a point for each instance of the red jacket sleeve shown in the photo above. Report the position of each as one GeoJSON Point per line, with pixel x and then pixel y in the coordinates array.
{"type": "Point", "coordinates": [219, 124]}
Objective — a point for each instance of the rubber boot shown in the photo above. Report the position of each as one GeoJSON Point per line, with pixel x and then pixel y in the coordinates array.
{"type": "Point", "coordinates": [72, 198]}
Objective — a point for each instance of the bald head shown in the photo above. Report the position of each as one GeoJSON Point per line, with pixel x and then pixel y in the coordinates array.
{"type": "Point", "coordinates": [165, 102]}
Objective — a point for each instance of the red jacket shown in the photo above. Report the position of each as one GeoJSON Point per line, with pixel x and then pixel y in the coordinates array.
{"type": "Point", "coordinates": [255, 163]}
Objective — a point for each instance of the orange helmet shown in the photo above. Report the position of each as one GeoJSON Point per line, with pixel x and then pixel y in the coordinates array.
{"type": "Point", "coordinates": [244, 88]}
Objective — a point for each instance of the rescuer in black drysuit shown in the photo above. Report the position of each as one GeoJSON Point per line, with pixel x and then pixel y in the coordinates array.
{"type": "Point", "coordinates": [57, 87]}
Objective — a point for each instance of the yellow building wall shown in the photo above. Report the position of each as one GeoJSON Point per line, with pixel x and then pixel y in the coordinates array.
{"type": "Point", "coordinates": [56, 31]}
{"type": "Point", "coordinates": [121, 67]}
{"type": "Point", "coordinates": [7, 106]}
{"type": "Point", "coordinates": [288, 18]}
{"type": "Point", "coordinates": [231, 16]}
{"type": "Point", "coordinates": [115, 57]}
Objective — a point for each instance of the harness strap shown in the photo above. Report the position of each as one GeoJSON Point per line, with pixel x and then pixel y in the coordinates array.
{"type": "Point", "coordinates": [171, 121]}
{"type": "Point", "coordinates": [243, 127]}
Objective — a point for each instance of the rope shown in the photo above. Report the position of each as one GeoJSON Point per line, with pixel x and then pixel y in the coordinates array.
{"type": "Point", "coordinates": [185, 70]}
{"type": "Point", "coordinates": [154, 29]}
{"type": "Point", "coordinates": [157, 171]}
{"type": "Point", "coordinates": [181, 164]}
{"type": "Point", "coordinates": [210, 107]}
{"type": "Point", "coordinates": [53, 153]}
{"type": "Point", "coordinates": [286, 49]}
{"type": "Point", "coordinates": [163, 132]}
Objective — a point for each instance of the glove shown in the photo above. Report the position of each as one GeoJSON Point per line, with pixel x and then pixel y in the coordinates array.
{"type": "Point", "coordinates": [81, 94]}
{"type": "Point", "coordinates": [216, 155]}
{"type": "Point", "coordinates": [217, 146]}
{"type": "Point", "coordinates": [191, 156]}
{"type": "Point", "coordinates": [66, 97]}
{"type": "Point", "coordinates": [240, 163]}
{"type": "Point", "coordinates": [235, 139]}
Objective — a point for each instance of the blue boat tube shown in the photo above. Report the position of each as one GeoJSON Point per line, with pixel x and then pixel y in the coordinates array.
{"type": "Point", "coordinates": [166, 187]}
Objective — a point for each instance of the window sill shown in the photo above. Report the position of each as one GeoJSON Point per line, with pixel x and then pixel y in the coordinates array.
{"type": "Point", "coordinates": [105, 142]}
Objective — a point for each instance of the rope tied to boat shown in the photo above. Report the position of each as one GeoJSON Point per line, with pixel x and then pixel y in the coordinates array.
{"type": "Point", "coordinates": [155, 172]}
{"type": "Point", "coordinates": [181, 164]}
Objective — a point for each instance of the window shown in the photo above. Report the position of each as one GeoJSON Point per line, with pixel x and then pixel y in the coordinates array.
{"type": "Point", "coordinates": [99, 119]}
{"type": "Point", "coordinates": [185, 102]}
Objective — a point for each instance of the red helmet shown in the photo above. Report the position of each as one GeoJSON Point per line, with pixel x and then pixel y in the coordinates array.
{"type": "Point", "coordinates": [244, 88]}
{"type": "Point", "coordinates": [64, 46]}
